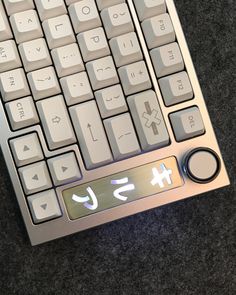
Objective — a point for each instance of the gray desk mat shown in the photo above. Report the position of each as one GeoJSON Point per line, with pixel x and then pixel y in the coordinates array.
{"type": "Point", "coordinates": [184, 248]}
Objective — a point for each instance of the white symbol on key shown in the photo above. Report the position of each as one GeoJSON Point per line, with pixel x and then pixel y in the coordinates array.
{"type": "Point", "coordinates": [160, 177]}
{"type": "Point", "coordinates": [125, 188]}
{"type": "Point", "coordinates": [86, 199]}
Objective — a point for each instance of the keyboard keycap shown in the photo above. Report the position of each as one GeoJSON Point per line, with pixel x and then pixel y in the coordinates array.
{"type": "Point", "coordinates": [111, 101]}
{"type": "Point", "coordinates": [126, 49]}
{"type": "Point", "coordinates": [107, 3]}
{"type": "Point", "coordinates": [84, 16]}
{"type": "Point", "coordinates": [9, 57]}
{"type": "Point", "coordinates": [117, 20]}
{"type": "Point", "coordinates": [148, 120]}
{"type": "Point", "coordinates": [44, 206]}
{"type": "Point", "coordinates": [67, 60]}
{"type": "Point", "coordinates": [76, 88]}
{"type": "Point", "coordinates": [14, 6]}
{"type": "Point", "coordinates": [167, 60]}
{"type": "Point", "coordinates": [149, 8]}
{"type": "Point", "coordinates": [122, 136]}
{"type": "Point", "coordinates": [22, 113]}
{"type": "Point", "coordinates": [58, 31]}
{"type": "Point", "coordinates": [44, 83]}
{"type": "Point", "coordinates": [55, 119]}
{"type": "Point", "coordinates": [26, 149]}
{"type": "Point", "coordinates": [158, 31]}
{"type": "Point", "coordinates": [26, 26]}
{"type": "Point", "coordinates": [64, 169]}
{"type": "Point", "coordinates": [49, 9]}
{"type": "Point", "coordinates": [102, 73]}
{"type": "Point", "coordinates": [93, 44]}
{"type": "Point", "coordinates": [176, 88]}
{"type": "Point", "coordinates": [35, 55]}
{"type": "Point", "coordinates": [187, 124]}
{"type": "Point", "coordinates": [135, 78]}
{"type": "Point", "coordinates": [5, 30]}
{"type": "Point", "coordinates": [91, 134]}
{"type": "Point", "coordinates": [13, 84]}
{"type": "Point", "coordinates": [35, 178]}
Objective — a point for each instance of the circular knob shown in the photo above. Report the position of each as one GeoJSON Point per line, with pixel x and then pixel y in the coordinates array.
{"type": "Point", "coordinates": [202, 165]}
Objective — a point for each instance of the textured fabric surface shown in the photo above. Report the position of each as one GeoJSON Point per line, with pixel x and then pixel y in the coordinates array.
{"type": "Point", "coordinates": [185, 248]}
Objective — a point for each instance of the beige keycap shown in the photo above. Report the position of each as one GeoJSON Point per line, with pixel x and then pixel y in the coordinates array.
{"type": "Point", "coordinates": [111, 101]}
{"type": "Point", "coordinates": [58, 31]}
{"type": "Point", "coordinates": [122, 136]}
{"type": "Point", "coordinates": [93, 44]}
{"type": "Point", "coordinates": [135, 78]}
{"type": "Point", "coordinates": [126, 49]}
{"type": "Point", "coordinates": [76, 88]}
{"type": "Point", "coordinates": [49, 9]}
{"type": "Point", "coordinates": [107, 3]}
{"type": "Point", "coordinates": [35, 178]}
{"type": "Point", "coordinates": [158, 30]}
{"type": "Point", "coordinates": [64, 169]}
{"type": "Point", "coordinates": [55, 119]}
{"type": "Point", "coordinates": [26, 26]}
{"type": "Point", "coordinates": [149, 8]}
{"type": "Point", "coordinates": [117, 20]}
{"type": "Point", "coordinates": [9, 57]}
{"type": "Point", "coordinates": [84, 16]}
{"type": "Point", "coordinates": [22, 113]}
{"type": "Point", "coordinates": [14, 6]}
{"type": "Point", "coordinates": [44, 83]}
{"type": "Point", "coordinates": [67, 60]}
{"type": "Point", "coordinates": [13, 84]}
{"type": "Point", "coordinates": [167, 59]}
{"type": "Point", "coordinates": [91, 134]}
{"type": "Point", "coordinates": [35, 55]}
{"type": "Point", "coordinates": [102, 73]}
{"type": "Point", "coordinates": [26, 149]}
{"type": "Point", "coordinates": [5, 30]}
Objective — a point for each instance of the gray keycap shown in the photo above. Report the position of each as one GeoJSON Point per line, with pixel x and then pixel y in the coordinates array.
{"type": "Point", "coordinates": [44, 206]}
{"type": "Point", "coordinates": [187, 124]}
{"type": "Point", "coordinates": [148, 120]}
{"type": "Point", "coordinates": [176, 88]}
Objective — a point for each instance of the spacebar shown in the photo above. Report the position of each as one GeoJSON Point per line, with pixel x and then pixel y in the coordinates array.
{"type": "Point", "coordinates": [91, 135]}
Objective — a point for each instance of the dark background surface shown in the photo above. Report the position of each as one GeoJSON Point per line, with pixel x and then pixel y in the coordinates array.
{"type": "Point", "coordinates": [183, 248]}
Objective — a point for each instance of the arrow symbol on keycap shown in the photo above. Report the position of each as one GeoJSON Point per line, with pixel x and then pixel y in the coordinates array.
{"type": "Point", "coordinates": [35, 177]}
{"type": "Point", "coordinates": [44, 206]}
{"type": "Point", "coordinates": [64, 168]}
{"type": "Point", "coordinates": [26, 148]}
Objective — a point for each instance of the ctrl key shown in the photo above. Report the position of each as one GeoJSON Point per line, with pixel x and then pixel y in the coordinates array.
{"type": "Point", "coordinates": [44, 206]}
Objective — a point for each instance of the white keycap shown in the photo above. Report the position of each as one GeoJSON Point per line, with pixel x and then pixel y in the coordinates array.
{"type": "Point", "coordinates": [158, 30]}
{"type": "Point", "coordinates": [135, 78]}
{"type": "Point", "coordinates": [26, 26]}
{"type": "Point", "coordinates": [44, 83]}
{"type": "Point", "coordinates": [84, 16]}
{"type": "Point", "coordinates": [117, 20]}
{"type": "Point", "coordinates": [111, 101]}
{"type": "Point", "coordinates": [9, 57]}
{"type": "Point", "coordinates": [76, 88]}
{"type": "Point", "coordinates": [67, 60]}
{"type": "Point", "coordinates": [35, 55]}
{"type": "Point", "coordinates": [107, 3]}
{"type": "Point", "coordinates": [5, 30]}
{"type": "Point", "coordinates": [14, 6]}
{"type": "Point", "coordinates": [58, 31]}
{"type": "Point", "coordinates": [93, 44]}
{"type": "Point", "coordinates": [44, 206]}
{"type": "Point", "coordinates": [13, 84]}
{"type": "Point", "coordinates": [26, 149]}
{"type": "Point", "coordinates": [149, 8]}
{"type": "Point", "coordinates": [69, 2]}
{"type": "Point", "coordinates": [176, 88]}
{"type": "Point", "coordinates": [55, 119]}
{"type": "Point", "coordinates": [22, 113]}
{"type": "Point", "coordinates": [50, 8]}
{"type": "Point", "coordinates": [35, 178]}
{"type": "Point", "coordinates": [126, 49]}
{"type": "Point", "coordinates": [64, 169]}
{"type": "Point", "coordinates": [91, 134]}
{"type": "Point", "coordinates": [102, 73]}
{"type": "Point", "coordinates": [122, 136]}
{"type": "Point", "coordinates": [148, 120]}
{"type": "Point", "coordinates": [167, 59]}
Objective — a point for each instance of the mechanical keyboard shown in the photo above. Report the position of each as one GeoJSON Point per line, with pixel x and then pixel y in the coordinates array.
{"type": "Point", "coordinates": [101, 112]}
